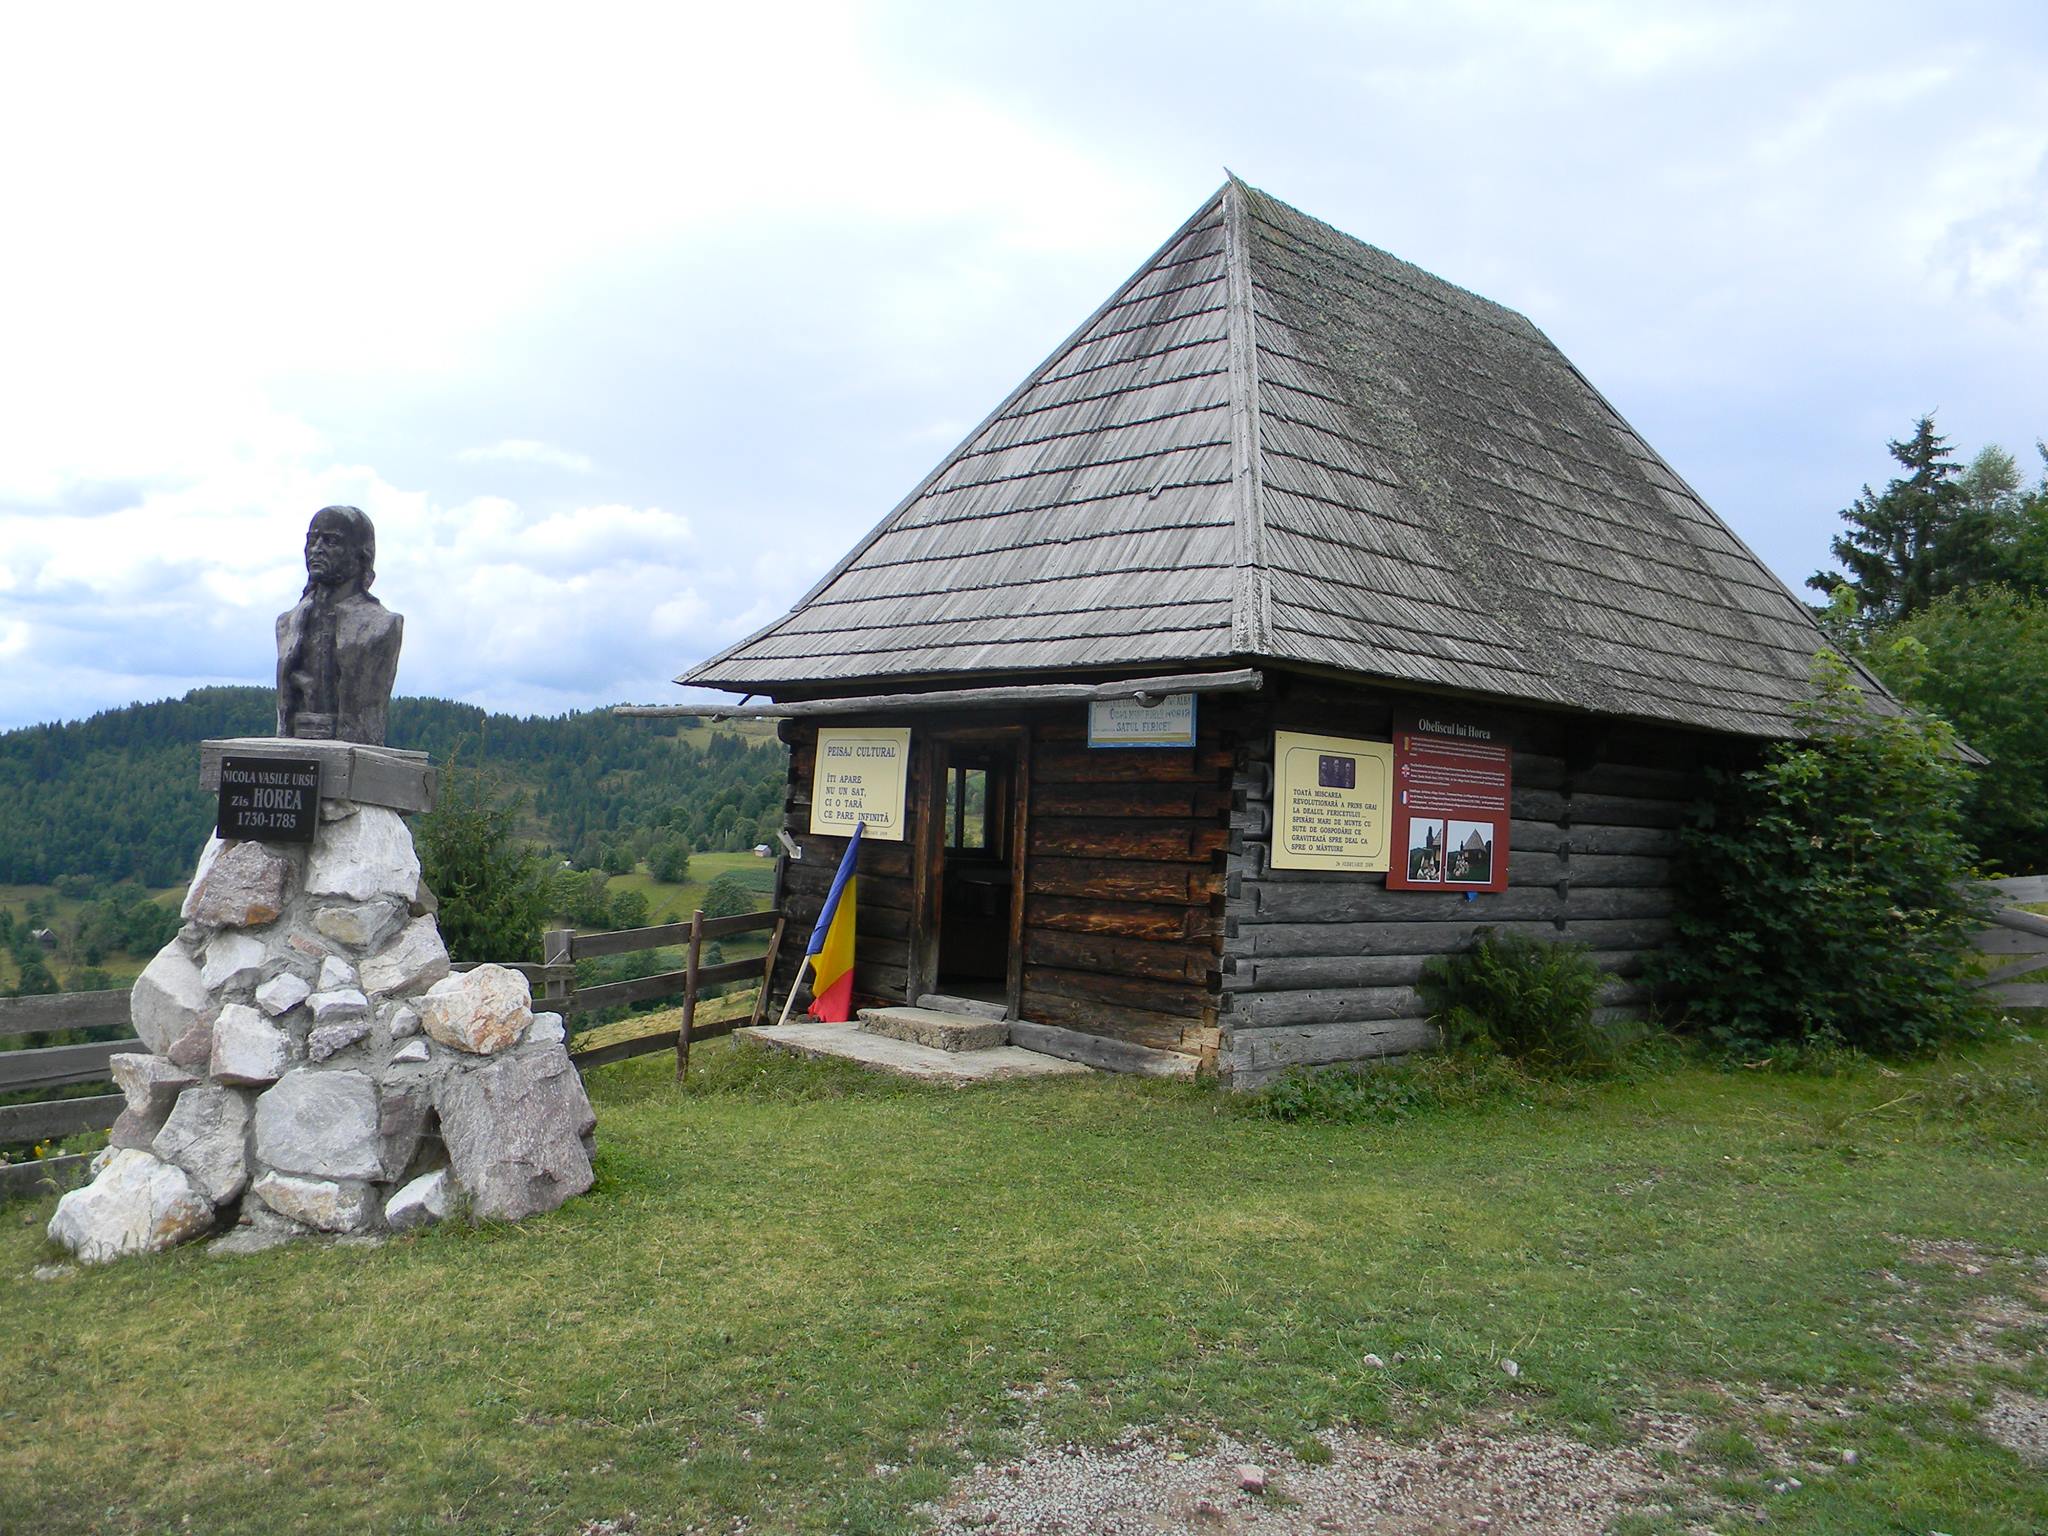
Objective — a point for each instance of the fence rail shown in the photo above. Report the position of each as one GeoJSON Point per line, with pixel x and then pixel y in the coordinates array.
{"type": "Point", "coordinates": [2019, 939]}
{"type": "Point", "coordinates": [42, 1068]}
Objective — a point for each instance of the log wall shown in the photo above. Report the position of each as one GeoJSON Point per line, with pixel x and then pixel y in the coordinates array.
{"type": "Point", "coordinates": [1153, 915]}
{"type": "Point", "coordinates": [1321, 967]}
{"type": "Point", "coordinates": [1123, 883]}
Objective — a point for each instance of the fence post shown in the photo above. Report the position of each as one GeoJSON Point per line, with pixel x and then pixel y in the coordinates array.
{"type": "Point", "coordinates": [557, 953]}
{"type": "Point", "coordinates": [768, 972]}
{"type": "Point", "coordinates": [689, 995]}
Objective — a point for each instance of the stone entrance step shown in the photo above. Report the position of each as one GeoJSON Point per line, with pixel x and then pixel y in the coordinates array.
{"type": "Point", "coordinates": [969, 1007]}
{"type": "Point", "coordinates": [848, 1042]}
{"type": "Point", "coordinates": [943, 1031]}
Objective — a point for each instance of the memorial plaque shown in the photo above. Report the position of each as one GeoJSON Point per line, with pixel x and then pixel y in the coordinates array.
{"type": "Point", "coordinates": [1330, 796]}
{"type": "Point", "coordinates": [269, 799]}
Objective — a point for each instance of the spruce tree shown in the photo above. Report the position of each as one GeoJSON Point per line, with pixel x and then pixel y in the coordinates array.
{"type": "Point", "coordinates": [1918, 539]}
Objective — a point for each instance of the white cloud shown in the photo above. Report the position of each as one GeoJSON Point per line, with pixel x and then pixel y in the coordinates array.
{"type": "Point", "coordinates": [524, 450]}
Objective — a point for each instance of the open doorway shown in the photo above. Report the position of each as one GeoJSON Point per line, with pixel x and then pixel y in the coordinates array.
{"type": "Point", "coordinates": [975, 857]}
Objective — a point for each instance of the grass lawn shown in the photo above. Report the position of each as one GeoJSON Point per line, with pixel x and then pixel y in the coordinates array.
{"type": "Point", "coordinates": [804, 1299]}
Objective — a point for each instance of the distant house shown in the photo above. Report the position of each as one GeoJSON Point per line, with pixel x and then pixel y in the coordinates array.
{"type": "Point", "coordinates": [43, 936]}
{"type": "Point", "coordinates": [762, 850]}
{"type": "Point", "coordinates": [1385, 553]}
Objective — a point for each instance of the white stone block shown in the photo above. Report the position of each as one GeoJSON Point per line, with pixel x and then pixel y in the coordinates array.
{"type": "Point", "coordinates": [424, 1201]}
{"type": "Point", "coordinates": [138, 1204]}
{"type": "Point", "coordinates": [168, 998]}
{"type": "Point", "coordinates": [367, 856]}
{"type": "Point", "coordinates": [247, 1048]}
{"type": "Point", "coordinates": [232, 960]}
{"type": "Point", "coordinates": [416, 958]}
{"type": "Point", "coordinates": [282, 993]}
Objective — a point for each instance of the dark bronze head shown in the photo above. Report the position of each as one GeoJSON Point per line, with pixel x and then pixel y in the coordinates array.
{"type": "Point", "coordinates": [341, 549]}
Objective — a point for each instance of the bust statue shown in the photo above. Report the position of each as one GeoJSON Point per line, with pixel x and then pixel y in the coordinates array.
{"type": "Point", "coordinates": [337, 649]}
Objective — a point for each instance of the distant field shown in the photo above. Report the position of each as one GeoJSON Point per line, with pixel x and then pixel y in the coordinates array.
{"type": "Point", "coordinates": [122, 968]}
{"type": "Point", "coordinates": [667, 903]}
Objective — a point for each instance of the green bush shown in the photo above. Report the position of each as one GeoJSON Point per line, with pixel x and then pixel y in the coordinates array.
{"type": "Point", "coordinates": [1528, 1000]}
{"type": "Point", "coordinates": [728, 896]}
{"type": "Point", "coordinates": [1824, 896]}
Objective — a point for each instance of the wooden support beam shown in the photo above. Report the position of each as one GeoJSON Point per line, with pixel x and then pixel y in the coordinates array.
{"type": "Point", "coordinates": [1243, 680]}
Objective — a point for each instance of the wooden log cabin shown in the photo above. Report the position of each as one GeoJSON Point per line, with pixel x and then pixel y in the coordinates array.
{"type": "Point", "coordinates": [1284, 489]}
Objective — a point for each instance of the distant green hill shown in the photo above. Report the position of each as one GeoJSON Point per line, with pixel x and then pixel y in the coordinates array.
{"type": "Point", "coordinates": [117, 795]}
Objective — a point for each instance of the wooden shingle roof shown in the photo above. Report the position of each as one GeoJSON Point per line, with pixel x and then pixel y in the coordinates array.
{"type": "Point", "coordinates": [1277, 443]}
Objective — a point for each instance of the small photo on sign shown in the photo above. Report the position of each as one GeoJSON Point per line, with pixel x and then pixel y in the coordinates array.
{"type": "Point", "coordinates": [1425, 850]}
{"type": "Point", "coordinates": [1468, 853]}
{"type": "Point", "coordinates": [1336, 772]}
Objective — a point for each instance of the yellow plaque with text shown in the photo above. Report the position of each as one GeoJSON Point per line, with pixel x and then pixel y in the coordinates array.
{"type": "Point", "coordinates": [1332, 802]}
{"type": "Point", "coordinates": [859, 777]}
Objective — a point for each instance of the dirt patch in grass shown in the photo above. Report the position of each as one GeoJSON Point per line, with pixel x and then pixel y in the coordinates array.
{"type": "Point", "coordinates": [2019, 1422]}
{"type": "Point", "coordinates": [1479, 1478]}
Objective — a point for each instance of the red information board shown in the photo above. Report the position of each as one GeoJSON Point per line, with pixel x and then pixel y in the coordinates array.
{"type": "Point", "coordinates": [1453, 775]}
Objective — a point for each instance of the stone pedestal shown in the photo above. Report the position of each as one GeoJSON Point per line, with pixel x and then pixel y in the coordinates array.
{"type": "Point", "coordinates": [314, 1065]}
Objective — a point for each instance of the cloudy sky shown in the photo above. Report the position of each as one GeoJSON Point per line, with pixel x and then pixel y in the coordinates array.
{"type": "Point", "coordinates": [623, 323]}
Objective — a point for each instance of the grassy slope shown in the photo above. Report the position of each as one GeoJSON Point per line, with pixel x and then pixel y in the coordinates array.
{"type": "Point", "coordinates": [789, 1275]}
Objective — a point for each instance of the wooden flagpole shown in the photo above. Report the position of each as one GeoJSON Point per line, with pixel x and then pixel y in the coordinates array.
{"type": "Point", "coordinates": [794, 988]}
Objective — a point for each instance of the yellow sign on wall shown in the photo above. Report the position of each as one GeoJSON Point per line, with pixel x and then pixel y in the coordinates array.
{"type": "Point", "coordinates": [1332, 802]}
{"type": "Point", "coordinates": [859, 777]}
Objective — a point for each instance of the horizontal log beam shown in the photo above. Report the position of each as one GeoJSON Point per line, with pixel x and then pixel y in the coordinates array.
{"type": "Point", "coordinates": [1086, 765]}
{"type": "Point", "coordinates": [1100, 1051]}
{"type": "Point", "coordinates": [1271, 1050]}
{"type": "Point", "coordinates": [1142, 1026]}
{"type": "Point", "coordinates": [588, 946]}
{"type": "Point", "coordinates": [1173, 960]}
{"type": "Point", "coordinates": [1338, 1005]}
{"type": "Point", "coordinates": [63, 1010]}
{"type": "Point", "coordinates": [49, 1175]}
{"type": "Point", "coordinates": [1178, 881]}
{"type": "Point", "coordinates": [59, 1117]}
{"type": "Point", "coordinates": [1400, 938]}
{"type": "Point", "coordinates": [1159, 921]}
{"type": "Point", "coordinates": [59, 1066]}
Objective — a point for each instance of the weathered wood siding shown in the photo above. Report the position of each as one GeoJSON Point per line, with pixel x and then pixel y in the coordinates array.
{"type": "Point", "coordinates": [1124, 884]}
{"type": "Point", "coordinates": [1153, 915]}
{"type": "Point", "coordinates": [1321, 967]}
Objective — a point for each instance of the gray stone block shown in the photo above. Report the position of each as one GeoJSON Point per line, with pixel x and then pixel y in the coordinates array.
{"type": "Point", "coordinates": [320, 1123]}
{"type": "Point", "coordinates": [514, 1127]}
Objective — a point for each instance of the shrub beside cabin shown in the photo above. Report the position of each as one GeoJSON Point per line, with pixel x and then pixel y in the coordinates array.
{"type": "Point", "coordinates": [1301, 614]}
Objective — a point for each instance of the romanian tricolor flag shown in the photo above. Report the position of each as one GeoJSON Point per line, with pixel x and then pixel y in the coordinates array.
{"type": "Point", "coordinates": [831, 948]}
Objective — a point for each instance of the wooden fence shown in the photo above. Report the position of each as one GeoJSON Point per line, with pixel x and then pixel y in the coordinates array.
{"type": "Point", "coordinates": [554, 984]}
{"type": "Point", "coordinates": [2020, 941]}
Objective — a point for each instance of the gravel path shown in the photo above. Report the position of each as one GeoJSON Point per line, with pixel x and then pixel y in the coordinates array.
{"type": "Point", "coordinates": [1468, 1480]}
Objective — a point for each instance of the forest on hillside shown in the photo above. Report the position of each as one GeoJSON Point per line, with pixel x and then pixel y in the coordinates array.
{"type": "Point", "coordinates": [117, 796]}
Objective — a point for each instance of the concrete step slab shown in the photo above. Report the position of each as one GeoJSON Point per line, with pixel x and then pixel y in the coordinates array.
{"type": "Point", "coordinates": [883, 1053]}
{"type": "Point", "coordinates": [941, 1031]}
